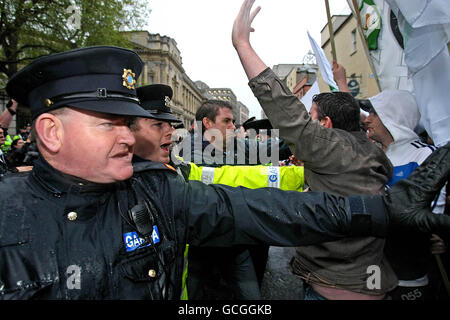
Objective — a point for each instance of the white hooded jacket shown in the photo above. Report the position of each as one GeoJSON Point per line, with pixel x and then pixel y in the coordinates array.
{"type": "Point", "coordinates": [399, 113]}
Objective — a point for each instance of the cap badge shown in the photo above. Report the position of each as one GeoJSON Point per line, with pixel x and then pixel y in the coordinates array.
{"type": "Point", "coordinates": [48, 102]}
{"type": "Point", "coordinates": [166, 101]}
{"type": "Point", "coordinates": [128, 79]}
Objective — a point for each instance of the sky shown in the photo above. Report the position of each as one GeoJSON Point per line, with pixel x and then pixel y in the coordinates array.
{"type": "Point", "coordinates": [202, 30]}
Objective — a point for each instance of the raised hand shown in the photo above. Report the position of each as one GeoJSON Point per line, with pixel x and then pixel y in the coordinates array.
{"type": "Point", "coordinates": [252, 63]}
{"type": "Point", "coordinates": [243, 24]}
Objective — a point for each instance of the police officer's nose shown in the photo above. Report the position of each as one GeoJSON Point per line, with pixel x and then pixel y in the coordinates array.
{"type": "Point", "coordinates": [126, 136]}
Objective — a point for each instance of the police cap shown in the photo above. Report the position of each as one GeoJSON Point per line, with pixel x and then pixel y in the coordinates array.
{"type": "Point", "coordinates": [257, 124]}
{"type": "Point", "coordinates": [100, 78]}
{"type": "Point", "coordinates": [155, 98]}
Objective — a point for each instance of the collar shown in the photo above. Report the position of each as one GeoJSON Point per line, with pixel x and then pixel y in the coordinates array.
{"type": "Point", "coordinates": [58, 182]}
{"type": "Point", "coordinates": [138, 159]}
{"type": "Point", "coordinates": [141, 165]}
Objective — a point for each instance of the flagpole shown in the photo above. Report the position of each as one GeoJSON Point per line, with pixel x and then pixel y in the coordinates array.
{"type": "Point", "coordinates": [364, 42]}
{"type": "Point", "coordinates": [443, 273]}
{"type": "Point", "coordinates": [330, 31]}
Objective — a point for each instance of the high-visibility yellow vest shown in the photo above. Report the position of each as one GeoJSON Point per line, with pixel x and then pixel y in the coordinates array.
{"type": "Point", "coordinates": [184, 294]}
{"type": "Point", "coordinates": [6, 147]}
{"type": "Point", "coordinates": [284, 178]}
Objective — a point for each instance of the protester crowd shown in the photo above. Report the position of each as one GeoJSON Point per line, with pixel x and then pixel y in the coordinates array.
{"type": "Point", "coordinates": [342, 146]}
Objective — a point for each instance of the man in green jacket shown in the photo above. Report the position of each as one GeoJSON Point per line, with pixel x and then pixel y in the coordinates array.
{"type": "Point", "coordinates": [338, 159]}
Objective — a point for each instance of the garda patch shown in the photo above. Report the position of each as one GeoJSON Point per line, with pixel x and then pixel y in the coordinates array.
{"type": "Point", "coordinates": [273, 177]}
{"type": "Point", "coordinates": [133, 241]}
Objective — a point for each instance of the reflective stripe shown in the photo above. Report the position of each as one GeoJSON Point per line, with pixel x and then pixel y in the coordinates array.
{"type": "Point", "coordinates": [273, 177]}
{"type": "Point", "coordinates": [184, 293]}
{"type": "Point", "coordinates": [207, 175]}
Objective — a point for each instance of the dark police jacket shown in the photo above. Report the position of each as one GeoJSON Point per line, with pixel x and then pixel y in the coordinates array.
{"type": "Point", "coordinates": [195, 148]}
{"type": "Point", "coordinates": [66, 238]}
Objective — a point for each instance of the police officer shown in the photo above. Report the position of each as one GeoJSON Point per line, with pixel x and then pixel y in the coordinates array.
{"type": "Point", "coordinates": [263, 130]}
{"type": "Point", "coordinates": [224, 273]}
{"type": "Point", "coordinates": [81, 229]}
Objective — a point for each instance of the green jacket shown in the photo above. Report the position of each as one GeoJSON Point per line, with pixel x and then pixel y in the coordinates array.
{"type": "Point", "coordinates": [338, 162]}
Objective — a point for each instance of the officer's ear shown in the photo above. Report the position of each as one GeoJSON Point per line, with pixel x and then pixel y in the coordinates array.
{"type": "Point", "coordinates": [50, 131]}
{"type": "Point", "coordinates": [206, 123]}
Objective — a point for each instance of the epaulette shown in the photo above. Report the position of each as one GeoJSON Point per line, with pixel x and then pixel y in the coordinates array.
{"type": "Point", "coordinates": [151, 165]}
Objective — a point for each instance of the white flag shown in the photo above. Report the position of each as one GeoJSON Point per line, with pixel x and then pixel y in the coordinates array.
{"type": "Point", "coordinates": [425, 26]}
{"type": "Point", "coordinates": [324, 65]}
{"type": "Point", "coordinates": [307, 98]}
{"type": "Point", "coordinates": [423, 66]}
{"type": "Point", "coordinates": [388, 59]}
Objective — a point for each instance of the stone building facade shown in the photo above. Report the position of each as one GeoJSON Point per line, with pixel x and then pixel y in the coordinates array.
{"type": "Point", "coordinates": [349, 53]}
{"type": "Point", "coordinates": [297, 77]}
{"type": "Point", "coordinates": [240, 111]}
{"type": "Point", "coordinates": [163, 64]}
{"type": "Point", "coordinates": [243, 112]}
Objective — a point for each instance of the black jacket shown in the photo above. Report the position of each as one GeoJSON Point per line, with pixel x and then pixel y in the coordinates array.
{"type": "Point", "coordinates": [23, 156]}
{"type": "Point", "coordinates": [100, 254]}
{"type": "Point", "coordinates": [3, 165]}
{"type": "Point", "coordinates": [197, 149]}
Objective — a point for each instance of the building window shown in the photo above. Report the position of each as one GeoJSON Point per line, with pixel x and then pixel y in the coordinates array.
{"type": "Point", "coordinates": [353, 41]}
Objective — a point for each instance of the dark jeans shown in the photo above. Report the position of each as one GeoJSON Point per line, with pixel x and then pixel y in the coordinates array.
{"type": "Point", "coordinates": [260, 255]}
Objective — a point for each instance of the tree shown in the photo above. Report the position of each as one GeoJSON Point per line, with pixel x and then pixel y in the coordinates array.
{"type": "Point", "coordinates": [32, 28]}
